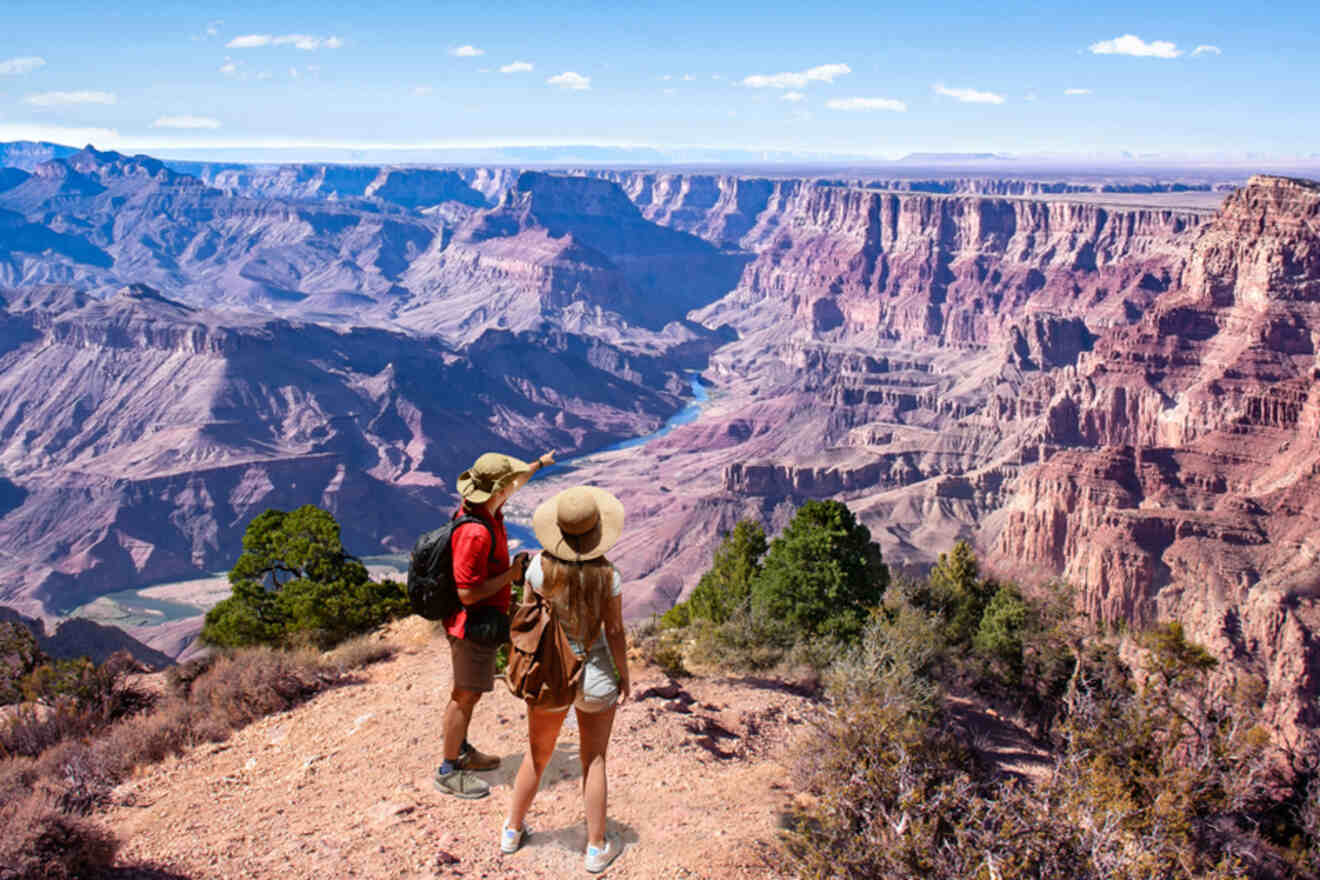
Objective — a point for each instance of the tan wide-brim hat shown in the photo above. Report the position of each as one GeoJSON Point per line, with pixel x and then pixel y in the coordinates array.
{"type": "Point", "coordinates": [489, 474]}
{"type": "Point", "coordinates": [579, 524]}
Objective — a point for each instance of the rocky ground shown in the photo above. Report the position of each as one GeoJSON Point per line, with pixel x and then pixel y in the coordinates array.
{"type": "Point", "coordinates": [341, 786]}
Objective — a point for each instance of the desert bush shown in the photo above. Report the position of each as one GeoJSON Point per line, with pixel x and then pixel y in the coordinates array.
{"type": "Point", "coordinates": [74, 776]}
{"type": "Point", "coordinates": [726, 587]}
{"type": "Point", "coordinates": [245, 685]}
{"type": "Point", "coordinates": [821, 576]}
{"type": "Point", "coordinates": [955, 592]}
{"type": "Point", "coordinates": [360, 651]}
{"type": "Point", "coordinates": [295, 581]}
{"type": "Point", "coordinates": [793, 603]}
{"type": "Point", "coordinates": [19, 655]}
{"type": "Point", "coordinates": [1157, 774]}
{"type": "Point", "coordinates": [37, 840]}
{"type": "Point", "coordinates": [180, 677]}
{"type": "Point", "coordinates": [69, 700]}
{"type": "Point", "coordinates": [660, 645]}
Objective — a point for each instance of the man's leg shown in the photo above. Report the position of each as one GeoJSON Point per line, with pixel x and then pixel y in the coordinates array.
{"type": "Point", "coordinates": [458, 715]}
{"type": "Point", "coordinates": [451, 777]}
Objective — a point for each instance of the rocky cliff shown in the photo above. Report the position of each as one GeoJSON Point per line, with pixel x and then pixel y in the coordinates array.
{"type": "Point", "coordinates": [138, 435]}
{"type": "Point", "coordinates": [1182, 453]}
{"type": "Point", "coordinates": [555, 241]}
{"type": "Point", "coordinates": [854, 264]}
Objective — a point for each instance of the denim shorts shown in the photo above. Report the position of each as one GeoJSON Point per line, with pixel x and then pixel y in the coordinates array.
{"type": "Point", "coordinates": [599, 688]}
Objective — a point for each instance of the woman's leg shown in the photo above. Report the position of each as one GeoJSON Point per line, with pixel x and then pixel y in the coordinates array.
{"type": "Point", "coordinates": [542, 732]}
{"type": "Point", "coordinates": [595, 729]}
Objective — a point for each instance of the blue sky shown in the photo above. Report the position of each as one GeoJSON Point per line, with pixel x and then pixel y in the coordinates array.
{"type": "Point", "coordinates": [856, 78]}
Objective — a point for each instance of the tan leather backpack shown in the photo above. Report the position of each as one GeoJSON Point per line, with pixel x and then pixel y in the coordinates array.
{"type": "Point", "coordinates": [543, 669]}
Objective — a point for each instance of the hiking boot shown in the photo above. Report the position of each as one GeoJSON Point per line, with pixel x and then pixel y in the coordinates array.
{"type": "Point", "coordinates": [511, 839]}
{"type": "Point", "coordinates": [600, 857]}
{"type": "Point", "coordinates": [471, 759]}
{"type": "Point", "coordinates": [460, 783]}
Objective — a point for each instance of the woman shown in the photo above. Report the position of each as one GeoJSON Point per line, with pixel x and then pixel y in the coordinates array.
{"type": "Point", "coordinates": [575, 529]}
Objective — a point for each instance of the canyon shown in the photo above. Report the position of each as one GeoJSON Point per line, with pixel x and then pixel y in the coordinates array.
{"type": "Point", "coordinates": [1108, 383]}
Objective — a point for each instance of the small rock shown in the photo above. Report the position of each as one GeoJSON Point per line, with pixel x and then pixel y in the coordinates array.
{"type": "Point", "coordinates": [445, 857]}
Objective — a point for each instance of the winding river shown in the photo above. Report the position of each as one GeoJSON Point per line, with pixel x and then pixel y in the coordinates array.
{"type": "Point", "coordinates": [163, 603]}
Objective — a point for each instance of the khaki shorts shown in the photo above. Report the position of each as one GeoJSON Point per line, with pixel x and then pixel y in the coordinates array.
{"type": "Point", "coordinates": [474, 664]}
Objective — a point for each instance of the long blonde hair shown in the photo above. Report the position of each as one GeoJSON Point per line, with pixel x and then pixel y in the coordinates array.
{"type": "Point", "coordinates": [578, 590]}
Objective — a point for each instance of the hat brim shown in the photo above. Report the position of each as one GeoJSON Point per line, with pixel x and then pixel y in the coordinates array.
{"type": "Point", "coordinates": [470, 491]}
{"type": "Point", "coordinates": [579, 548]}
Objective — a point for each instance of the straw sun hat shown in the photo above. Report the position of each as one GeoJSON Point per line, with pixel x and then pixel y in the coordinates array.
{"type": "Point", "coordinates": [491, 472]}
{"type": "Point", "coordinates": [579, 523]}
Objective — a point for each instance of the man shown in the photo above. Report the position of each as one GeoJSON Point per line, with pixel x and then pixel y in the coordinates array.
{"type": "Point", "coordinates": [483, 575]}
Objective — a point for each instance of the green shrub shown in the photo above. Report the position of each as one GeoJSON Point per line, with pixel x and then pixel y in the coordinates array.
{"type": "Point", "coordinates": [19, 656]}
{"type": "Point", "coordinates": [821, 576]}
{"type": "Point", "coordinates": [727, 586]}
{"type": "Point", "coordinates": [294, 582]}
{"type": "Point", "coordinates": [1001, 633]}
{"type": "Point", "coordinates": [956, 592]}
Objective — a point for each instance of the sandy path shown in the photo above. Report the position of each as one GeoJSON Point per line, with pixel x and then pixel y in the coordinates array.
{"type": "Point", "coordinates": [341, 786]}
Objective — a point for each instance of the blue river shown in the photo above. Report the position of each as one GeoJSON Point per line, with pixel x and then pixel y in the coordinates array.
{"type": "Point", "coordinates": [135, 609]}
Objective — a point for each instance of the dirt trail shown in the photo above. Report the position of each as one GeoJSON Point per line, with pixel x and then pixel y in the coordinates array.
{"type": "Point", "coordinates": [341, 786]}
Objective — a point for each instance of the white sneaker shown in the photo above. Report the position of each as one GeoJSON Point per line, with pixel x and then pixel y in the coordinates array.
{"type": "Point", "coordinates": [600, 857]}
{"type": "Point", "coordinates": [511, 839]}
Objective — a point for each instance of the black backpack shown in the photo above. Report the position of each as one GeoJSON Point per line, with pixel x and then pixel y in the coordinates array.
{"type": "Point", "coordinates": [431, 587]}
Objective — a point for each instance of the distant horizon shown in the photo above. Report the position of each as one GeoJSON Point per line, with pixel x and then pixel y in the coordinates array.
{"type": "Point", "coordinates": [624, 157]}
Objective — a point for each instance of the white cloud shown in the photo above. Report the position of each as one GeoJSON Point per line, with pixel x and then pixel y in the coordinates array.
{"type": "Point", "coordinates": [822, 73]}
{"type": "Point", "coordinates": [570, 80]}
{"type": "Point", "coordinates": [717, 76]}
{"type": "Point", "coordinates": [298, 41]}
{"type": "Point", "coordinates": [213, 27]}
{"type": "Point", "coordinates": [866, 104]}
{"type": "Point", "coordinates": [667, 77]}
{"type": "Point", "coordinates": [687, 77]}
{"type": "Point", "coordinates": [18, 66]}
{"type": "Point", "coordinates": [1129, 44]}
{"type": "Point", "coordinates": [1077, 91]}
{"type": "Point", "coordinates": [1207, 50]}
{"type": "Point", "coordinates": [792, 96]}
{"type": "Point", "coordinates": [59, 99]}
{"type": "Point", "coordinates": [422, 91]}
{"type": "Point", "coordinates": [229, 68]}
{"type": "Point", "coordinates": [250, 41]}
{"type": "Point", "coordinates": [185, 122]}
{"type": "Point", "coordinates": [517, 67]}
{"type": "Point", "coordinates": [467, 52]}
{"type": "Point", "coordinates": [293, 73]}
{"type": "Point", "coordinates": [970, 96]}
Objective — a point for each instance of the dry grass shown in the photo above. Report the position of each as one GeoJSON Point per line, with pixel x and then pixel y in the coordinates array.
{"type": "Point", "coordinates": [62, 767]}
{"type": "Point", "coordinates": [41, 841]}
{"type": "Point", "coordinates": [361, 651]}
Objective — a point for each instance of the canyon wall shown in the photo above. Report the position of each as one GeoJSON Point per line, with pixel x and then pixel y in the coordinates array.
{"type": "Point", "coordinates": [1185, 453]}
{"type": "Point", "coordinates": [138, 435]}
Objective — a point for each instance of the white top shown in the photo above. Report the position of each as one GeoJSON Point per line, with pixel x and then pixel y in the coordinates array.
{"type": "Point", "coordinates": [536, 577]}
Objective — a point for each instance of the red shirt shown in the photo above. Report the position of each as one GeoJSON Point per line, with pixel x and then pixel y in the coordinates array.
{"type": "Point", "coordinates": [474, 563]}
